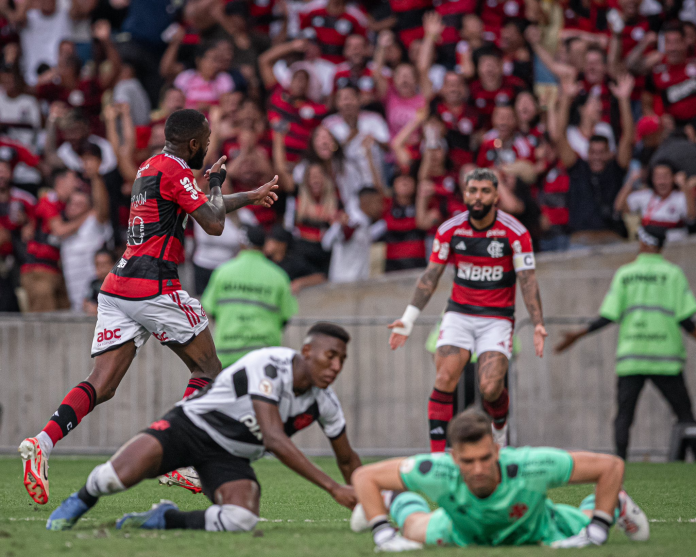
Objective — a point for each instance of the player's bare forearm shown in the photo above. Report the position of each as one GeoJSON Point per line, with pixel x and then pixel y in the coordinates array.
{"type": "Point", "coordinates": [346, 458]}
{"type": "Point", "coordinates": [531, 296]}
{"type": "Point", "coordinates": [235, 201]}
{"type": "Point", "coordinates": [426, 285]}
{"type": "Point", "coordinates": [606, 471]}
{"type": "Point", "coordinates": [370, 480]}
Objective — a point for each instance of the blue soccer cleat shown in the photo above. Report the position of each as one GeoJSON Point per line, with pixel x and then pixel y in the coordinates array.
{"type": "Point", "coordinates": [149, 520]}
{"type": "Point", "coordinates": [69, 512]}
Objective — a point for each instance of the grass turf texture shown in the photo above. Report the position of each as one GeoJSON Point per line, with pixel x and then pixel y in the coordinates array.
{"type": "Point", "coordinates": [301, 519]}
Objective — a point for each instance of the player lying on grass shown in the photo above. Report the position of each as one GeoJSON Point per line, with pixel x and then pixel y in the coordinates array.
{"type": "Point", "coordinates": [491, 496]}
{"type": "Point", "coordinates": [252, 407]}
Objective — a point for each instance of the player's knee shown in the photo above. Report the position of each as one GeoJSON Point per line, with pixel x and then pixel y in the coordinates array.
{"type": "Point", "coordinates": [103, 480]}
{"type": "Point", "coordinates": [229, 518]}
{"type": "Point", "coordinates": [491, 390]}
{"type": "Point", "coordinates": [446, 378]}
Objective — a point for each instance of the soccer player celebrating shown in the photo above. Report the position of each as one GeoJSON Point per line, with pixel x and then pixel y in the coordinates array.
{"type": "Point", "coordinates": [252, 407]}
{"type": "Point", "coordinates": [490, 250]}
{"type": "Point", "coordinates": [142, 294]}
{"type": "Point", "coordinates": [493, 497]}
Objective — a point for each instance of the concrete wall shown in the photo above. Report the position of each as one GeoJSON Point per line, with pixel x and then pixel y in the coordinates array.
{"type": "Point", "coordinates": [565, 401]}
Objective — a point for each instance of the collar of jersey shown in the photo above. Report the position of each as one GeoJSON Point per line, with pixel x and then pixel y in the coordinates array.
{"type": "Point", "coordinates": [471, 224]}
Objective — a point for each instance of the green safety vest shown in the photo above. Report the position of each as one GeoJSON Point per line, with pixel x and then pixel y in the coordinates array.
{"type": "Point", "coordinates": [250, 299]}
{"type": "Point", "coordinates": [648, 298]}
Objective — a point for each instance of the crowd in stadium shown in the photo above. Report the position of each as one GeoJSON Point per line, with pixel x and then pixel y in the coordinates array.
{"type": "Point", "coordinates": [370, 113]}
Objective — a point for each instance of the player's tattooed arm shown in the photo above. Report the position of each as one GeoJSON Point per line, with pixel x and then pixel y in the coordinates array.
{"type": "Point", "coordinates": [532, 299]}
{"type": "Point", "coordinates": [530, 295]}
{"type": "Point", "coordinates": [427, 283]}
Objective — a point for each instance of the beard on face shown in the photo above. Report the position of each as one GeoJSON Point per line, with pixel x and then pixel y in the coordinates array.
{"type": "Point", "coordinates": [196, 161]}
{"type": "Point", "coordinates": [478, 214]}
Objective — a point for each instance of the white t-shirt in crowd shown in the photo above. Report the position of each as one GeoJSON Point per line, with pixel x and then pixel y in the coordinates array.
{"type": "Point", "coordinates": [77, 257]}
{"type": "Point", "coordinates": [73, 161]}
{"type": "Point", "coordinates": [212, 251]}
{"type": "Point", "coordinates": [350, 258]}
{"type": "Point", "coordinates": [581, 144]}
{"type": "Point", "coordinates": [669, 212]}
{"type": "Point", "coordinates": [41, 37]}
{"type": "Point", "coordinates": [369, 123]}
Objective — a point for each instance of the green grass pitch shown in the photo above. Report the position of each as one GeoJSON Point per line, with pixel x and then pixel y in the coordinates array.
{"type": "Point", "coordinates": [300, 519]}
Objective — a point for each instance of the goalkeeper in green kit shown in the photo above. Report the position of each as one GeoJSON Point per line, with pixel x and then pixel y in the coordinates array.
{"type": "Point", "coordinates": [490, 496]}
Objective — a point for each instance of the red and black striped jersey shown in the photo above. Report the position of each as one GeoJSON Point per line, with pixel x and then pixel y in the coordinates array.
{"type": "Point", "coordinates": [485, 101]}
{"type": "Point", "coordinates": [494, 152]}
{"type": "Point", "coordinates": [294, 118]}
{"type": "Point", "coordinates": [261, 13]}
{"type": "Point", "coordinates": [452, 12]}
{"type": "Point", "coordinates": [601, 90]}
{"type": "Point", "coordinates": [632, 33]}
{"type": "Point", "coordinates": [43, 251]}
{"type": "Point", "coordinates": [332, 30]}
{"type": "Point", "coordinates": [405, 242]}
{"type": "Point", "coordinates": [486, 262]}
{"type": "Point", "coordinates": [163, 194]}
{"type": "Point", "coordinates": [552, 197]}
{"type": "Point", "coordinates": [14, 152]}
{"type": "Point", "coordinates": [676, 83]}
{"type": "Point", "coordinates": [460, 126]}
{"type": "Point", "coordinates": [494, 14]}
{"type": "Point", "coordinates": [409, 18]}
{"type": "Point", "coordinates": [358, 77]}
{"type": "Point", "coordinates": [16, 212]}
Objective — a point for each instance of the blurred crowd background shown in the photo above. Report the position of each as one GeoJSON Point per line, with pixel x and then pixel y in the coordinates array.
{"type": "Point", "coordinates": [370, 112]}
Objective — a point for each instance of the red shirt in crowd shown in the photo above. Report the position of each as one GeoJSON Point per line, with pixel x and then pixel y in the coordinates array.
{"type": "Point", "coordinates": [14, 152]}
{"type": "Point", "coordinates": [17, 211]}
{"type": "Point", "coordinates": [409, 18]}
{"type": "Point", "coordinates": [676, 84]}
{"type": "Point", "coordinates": [485, 101]}
{"type": "Point", "coordinates": [43, 252]}
{"type": "Point", "coordinates": [494, 14]}
{"type": "Point", "coordinates": [493, 152]}
{"type": "Point", "coordinates": [452, 12]}
{"type": "Point", "coordinates": [332, 30]}
{"type": "Point", "coordinates": [405, 242]}
{"type": "Point", "coordinates": [460, 128]}
{"type": "Point", "coordinates": [296, 118]}
{"type": "Point", "coordinates": [552, 196]}
{"type": "Point", "coordinates": [86, 96]}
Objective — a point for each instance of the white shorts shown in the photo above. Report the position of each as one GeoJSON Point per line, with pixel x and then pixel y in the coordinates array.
{"type": "Point", "coordinates": [174, 318]}
{"type": "Point", "coordinates": [476, 334]}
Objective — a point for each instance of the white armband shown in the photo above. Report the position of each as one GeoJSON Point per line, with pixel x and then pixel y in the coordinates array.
{"type": "Point", "coordinates": [408, 319]}
{"type": "Point", "coordinates": [523, 261]}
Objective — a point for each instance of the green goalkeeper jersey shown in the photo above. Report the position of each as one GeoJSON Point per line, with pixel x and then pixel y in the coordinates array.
{"type": "Point", "coordinates": [518, 512]}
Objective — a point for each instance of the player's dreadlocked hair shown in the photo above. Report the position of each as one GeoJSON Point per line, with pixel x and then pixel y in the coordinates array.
{"type": "Point", "coordinates": [330, 330]}
{"type": "Point", "coordinates": [183, 125]}
{"type": "Point", "coordinates": [481, 174]}
{"type": "Point", "coordinates": [468, 427]}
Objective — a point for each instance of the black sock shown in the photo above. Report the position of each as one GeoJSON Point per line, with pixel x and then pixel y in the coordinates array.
{"type": "Point", "coordinates": [86, 498]}
{"type": "Point", "coordinates": [180, 520]}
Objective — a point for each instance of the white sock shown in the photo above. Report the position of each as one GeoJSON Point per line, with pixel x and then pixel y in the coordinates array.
{"type": "Point", "coordinates": [45, 443]}
{"type": "Point", "coordinates": [103, 480]}
{"type": "Point", "coordinates": [229, 518]}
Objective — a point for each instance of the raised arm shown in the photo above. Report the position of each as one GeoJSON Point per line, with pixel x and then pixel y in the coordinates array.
{"type": "Point", "coordinates": [533, 36]}
{"type": "Point", "coordinates": [384, 39]}
{"type": "Point", "coordinates": [101, 31]}
{"type": "Point", "coordinates": [425, 287]}
{"type": "Point", "coordinates": [277, 442]}
{"type": "Point", "coordinates": [169, 67]}
{"type": "Point", "coordinates": [432, 24]}
{"type": "Point", "coordinates": [532, 301]}
{"type": "Point", "coordinates": [272, 55]}
{"type": "Point", "coordinates": [622, 91]}
{"type": "Point", "coordinates": [569, 89]}
{"type": "Point", "coordinates": [621, 201]}
{"type": "Point", "coordinates": [211, 215]}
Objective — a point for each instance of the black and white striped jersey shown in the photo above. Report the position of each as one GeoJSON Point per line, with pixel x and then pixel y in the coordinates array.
{"type": "Point", "coordinates": [225, 411]}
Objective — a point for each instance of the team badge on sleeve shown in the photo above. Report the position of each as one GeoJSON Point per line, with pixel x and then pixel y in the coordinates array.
{"type": "Point", "coordinates": [407, 465]}
{"type": "Point", "coordinates": [266, 387]}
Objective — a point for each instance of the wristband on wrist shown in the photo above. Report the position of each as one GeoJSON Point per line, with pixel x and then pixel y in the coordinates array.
{"type": "Point", "coordinates": [408, 319]}
{"type": "Point", "coordinates": [218, 178]}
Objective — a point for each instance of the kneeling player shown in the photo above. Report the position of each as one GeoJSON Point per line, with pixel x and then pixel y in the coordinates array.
{"type": "Point", "coordinates": [251, 408]}
{"type": "Point", "coordinates": [494, 497]}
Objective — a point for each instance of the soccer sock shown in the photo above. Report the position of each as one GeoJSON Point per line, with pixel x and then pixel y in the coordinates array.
{"type": "Point", "coordinates": [498, 409]}
{"type": "Point", "coordinates": [180, 520]}
{"type": "Point", "coordinates": [103, 480]}
{"type": "Point", "coordinates": [588, 504]}
{"type": "Point", "coordinates": [229, 518]}
{"type": "Point", "coordinates": [76, 405]}
{"type": "Point", "coordinates": [196, 384]}
{"type": "Point", "coordinates": [86, 498]}
{"type": "Point", "coordinates": [45, 443]}
{"type": "Point", "coordinates": [404, 505]}
{"type": "Point", "coordinates": [440, 411]}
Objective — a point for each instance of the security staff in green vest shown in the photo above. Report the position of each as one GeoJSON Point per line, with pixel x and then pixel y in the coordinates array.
{"type": "Point", "coordinates": [250, 300]}
{"type": "Point", "coordinates": [650, 298]}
